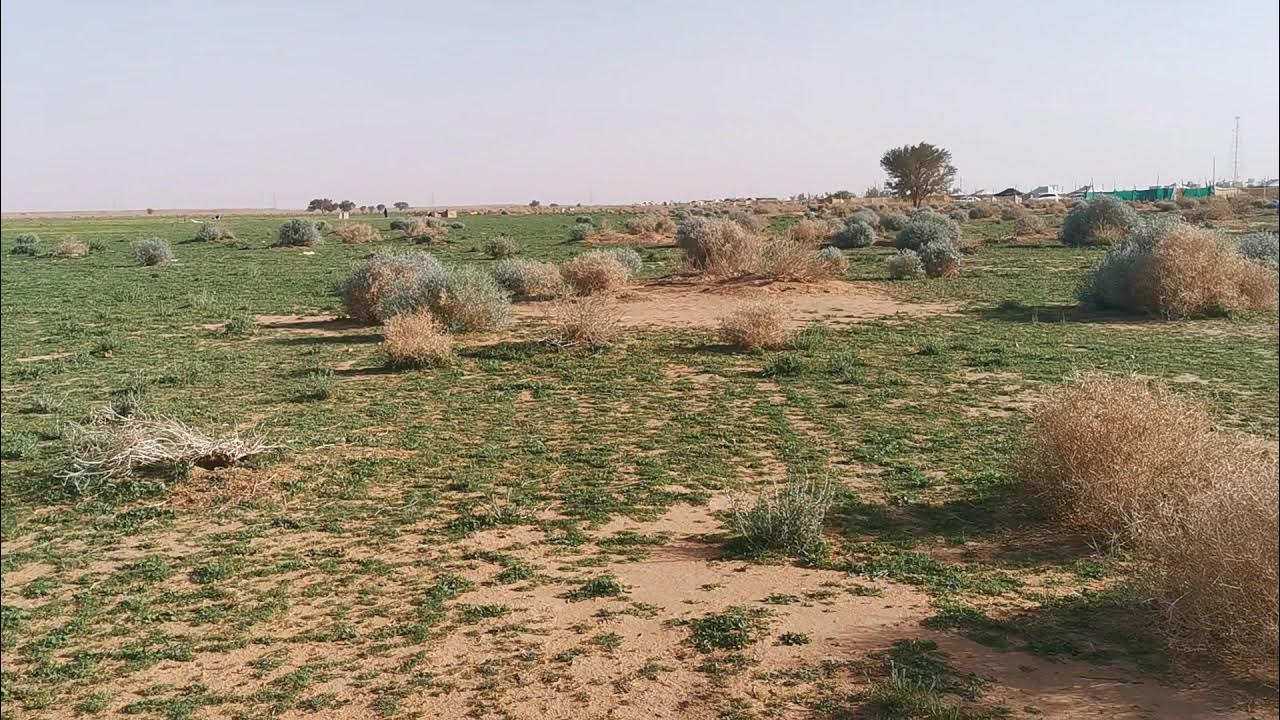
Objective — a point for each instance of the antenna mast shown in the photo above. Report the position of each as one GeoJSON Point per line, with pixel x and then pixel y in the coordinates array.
{"type": "Point", "coordinates": [1235, 154]}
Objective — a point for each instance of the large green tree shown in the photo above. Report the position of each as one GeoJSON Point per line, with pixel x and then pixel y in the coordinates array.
{"type": "Point", "coordinates": [918, 171]}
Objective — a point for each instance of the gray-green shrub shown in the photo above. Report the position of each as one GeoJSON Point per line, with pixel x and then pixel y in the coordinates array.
{"type": "Point", "coordinates": [959, 215]}
{"type": "Point", "coordinates": [528, 278]}
{"type": "Point", "coordinates": [925, 228]}
{"type": "Point", "coordinates": [499, 247]}
{"type": "Point", "coordinates": [213, 232]}
{"type": "Point", "coordinates": [582, 231]}
{"type": "Point", "coordinates": [866, 215]}
{"type": "Point", "coordinates": [786, 519]}
{"type": "Point", "coordinates": [629, 259]}
{"type": "Point", "coordinates": [855, 234]}
{"type": "Point", "coordinates": [26, 244]}
{"type": "Point", "coordinates": [1261, 248]}
{"type": "Point", "coordinates": [298, 232]}
{"type": "Point", "coordinates": [905, 265]}
{"type": "Point", "coordinates": [941, 258]}
{"type": "Point", "coordinates": [365, 292]}
{"type": "Point", "coordinates": [1101, 221]}
{"type": "Point", "coordinates": [835, 261]}
{"type": "Point", "coordinates": [465, 299]}
{"type": "Point", "coordinates": [152, 251]}
{"type": "Point", "coordinates": [893, 222]}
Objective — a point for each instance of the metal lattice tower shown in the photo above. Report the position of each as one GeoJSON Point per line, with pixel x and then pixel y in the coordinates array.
{"type": "Point", "coordinates": [1235, 154]}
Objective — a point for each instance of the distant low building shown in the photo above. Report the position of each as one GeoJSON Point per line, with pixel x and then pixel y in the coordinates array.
{"type": "Point", "coordinates": [1010, 194]}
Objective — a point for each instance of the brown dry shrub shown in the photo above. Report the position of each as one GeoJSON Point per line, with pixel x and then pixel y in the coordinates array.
{"type": "Point", "coordinates": [1242, 203]}
{"type": "Point", "coordinates": [425, 230]}
{"type": "Point", "coordinates": [1129, 461]}
{"type": "Point", "coordinates": [417, 339]}
{"type": "Point", "coordinates": [72, 249]}
{"type": "Point", "coordinates": [650, 224]}
{"type": "Point", "coordinates": [366, 289]}
{"type": "Point", "coordinates": [1010, 212]}
{"type": "Point", "coordinates": [719, 247]}
{"type": "Point", "coordinates": [597, 271]}
{"type": "Point", "coordinates": [1211, 562]}
{"type": "Point", "coordinates": [788, 259]}
{"type": "Point", "coordinates": [1101, 452]}
{"type": "Point", "coordinates": [1028, 224]}
{"type": "Point", "coordinates": [1214, 207]}
{"type": "Point", "coordinates": [356, 233]}
{"type": "Point", "coordinates": [1188, 272]}
{"type": "Point", "coordinates": [590, 322]}
{"type": "Point", "coordinates": [813, 232]}
{"type": "Point", "coordinates": [755, 325]}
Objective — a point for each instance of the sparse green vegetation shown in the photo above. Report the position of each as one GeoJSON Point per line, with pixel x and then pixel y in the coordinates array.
{"type": "Point", "coordinates": [519, 517]}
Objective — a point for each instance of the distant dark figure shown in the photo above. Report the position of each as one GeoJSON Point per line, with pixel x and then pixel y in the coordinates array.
{"type": "Point", "coordinates": [218, 216]}
{"type": "Point", "coordinates": [384, 212]}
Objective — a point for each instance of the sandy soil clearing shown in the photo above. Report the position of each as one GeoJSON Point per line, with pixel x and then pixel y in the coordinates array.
{"type": "Point", "coordinates": [684, 302]}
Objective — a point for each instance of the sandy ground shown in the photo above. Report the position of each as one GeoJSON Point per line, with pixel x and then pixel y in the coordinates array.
{"type": "Point", "coordinates": [531, 664]}
{"type": "Point", "coordinates": [688, 302]}
{"type": "Point", "coordinates": [675, 303]}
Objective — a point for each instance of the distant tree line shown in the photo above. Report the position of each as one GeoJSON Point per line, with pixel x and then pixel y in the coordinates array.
{"type": "Point", "coordinates": [328, 205]}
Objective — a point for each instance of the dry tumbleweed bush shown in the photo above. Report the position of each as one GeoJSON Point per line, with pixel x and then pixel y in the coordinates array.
{"type": "Point", "coordinates": [589, 322]}
{"type": "Point", "coordinates": [417, 339]}
{"type": "Point", "coordinates": [110, 447]}
{"type": "Point", "coordinates": [1101, 451]}
{"type": "Point", "coordinates": [755, 325]}
{"type": "Point", "coordinates": [356, 233]}
{"type": "Point", "coordinates": [1133, 462]}
{"type": "Point", "coordinates": [597, 271]}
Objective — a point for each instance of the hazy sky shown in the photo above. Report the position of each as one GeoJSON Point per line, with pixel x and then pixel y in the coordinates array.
{"type": "Point", "coordinates": [221, 104]}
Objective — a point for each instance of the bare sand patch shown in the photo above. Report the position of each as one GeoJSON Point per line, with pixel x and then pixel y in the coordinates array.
{"type": "Point", "coordinates": [683, 301]}
{"type": "Point", "coordinates": [609, 237]}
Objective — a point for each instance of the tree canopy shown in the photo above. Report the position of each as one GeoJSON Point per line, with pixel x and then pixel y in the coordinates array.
{"type": "Point", "coordinates": [918, 171]}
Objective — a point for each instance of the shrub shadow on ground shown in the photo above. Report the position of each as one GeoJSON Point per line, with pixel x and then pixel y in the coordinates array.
{"type": "Point", "coordinates": [1046, 313]}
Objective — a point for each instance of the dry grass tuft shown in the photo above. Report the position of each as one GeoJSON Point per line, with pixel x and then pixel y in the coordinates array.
{"type": "Point", "coordinates": [1214, 207]}
{"type": "Point", "coordinates": [650, 224]}
{"type": "Point", "coordinates": [111, 447]}
{"type": "Point", "coordinates": [529, 278]}
{"type": "Point", "coordinates": [756, 325]}
{"type": "Point", "coordinates": [1129, 461]}
{"type": "Point", "coordinates": [424, 231]}
{"type": "Point", "coordinates": [417, 339]}
{"type": "Point", "coordinates": [597, 271]}
{"type": "Point", "coordinates": [356, 233]}
{"type": "Point", "coordinates": [590, 322]}
{"type": "Point", "coordinates": [72, 249]}
{"type": "Point", "coordinates": [814, 232]}
{"type": "Point", "coordinates": [787, 259]}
